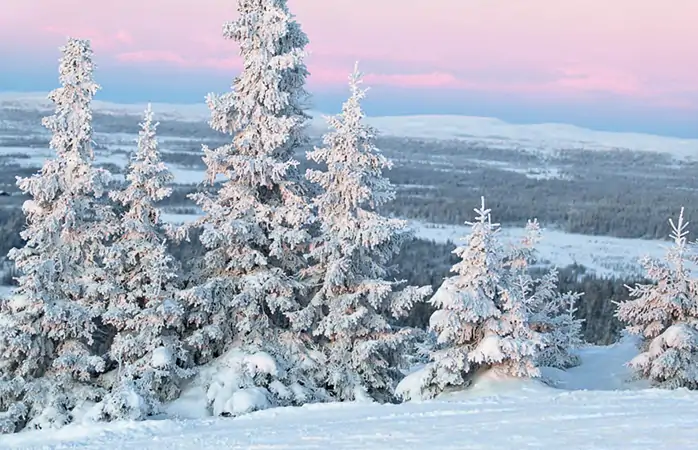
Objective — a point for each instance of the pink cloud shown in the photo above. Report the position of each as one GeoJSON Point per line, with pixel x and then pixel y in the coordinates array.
{"type": "Point", "coordinates": [600, 79]}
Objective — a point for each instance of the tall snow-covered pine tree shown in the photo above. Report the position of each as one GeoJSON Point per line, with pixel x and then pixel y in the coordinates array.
{"type": "Point", "coordinates": [255, 226]}
{"type": "Point", "coordinates": [665, 315]}
{"type": "Point", "coordinates": [50, 330]}
{"type": "Point", "coordinates": [353, 300]}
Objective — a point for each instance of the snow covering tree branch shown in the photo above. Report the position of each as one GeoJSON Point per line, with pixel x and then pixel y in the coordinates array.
{"type": "Point", "coordinates": [483, 316]}
{"type": "Point", "coordinates": [255, 227]}
{"type": "Point", "coordinates": [353, 298]}
{"type": "Point", "coordinates": [665, 315]}
{"type": "Point", "coordinates": [143, 308]}
{"type": "Point", "coordinates": [50, 332]}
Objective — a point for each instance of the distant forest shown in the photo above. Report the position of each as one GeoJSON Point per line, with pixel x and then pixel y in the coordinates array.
{"type": "Point", "coordinates": [618, 193]}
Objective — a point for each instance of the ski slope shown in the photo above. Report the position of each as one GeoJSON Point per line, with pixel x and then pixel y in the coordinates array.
{"type": "Point", "coordinates": [592, 408]}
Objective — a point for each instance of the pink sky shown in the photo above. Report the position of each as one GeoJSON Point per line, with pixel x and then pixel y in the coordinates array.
{"type": "Point", "coordinates": [644, 49]}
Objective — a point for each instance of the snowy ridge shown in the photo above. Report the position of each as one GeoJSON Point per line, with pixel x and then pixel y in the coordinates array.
{"type": "Point", "coordinates": [487, 131]}
{"type": "Point", "coordinates": [594, 407]}
{"type": "Point", "coordinates": [496, 133]}
{"type": "Point", "coordinates": [186, 112]}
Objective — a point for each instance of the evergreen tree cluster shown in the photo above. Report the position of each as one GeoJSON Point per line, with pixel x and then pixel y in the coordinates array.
{"type": "Point", "coordinates": [293, 299]}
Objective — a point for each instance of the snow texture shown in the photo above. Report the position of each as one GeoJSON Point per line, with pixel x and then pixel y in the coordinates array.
{"type": "Point", "coordinates": [353, 300]}
{"type": "Point", "coordinates": [52, 344]}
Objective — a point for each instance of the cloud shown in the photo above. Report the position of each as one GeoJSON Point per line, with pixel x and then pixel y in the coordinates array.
{"type": "Point", "coordinates": [600, 79]}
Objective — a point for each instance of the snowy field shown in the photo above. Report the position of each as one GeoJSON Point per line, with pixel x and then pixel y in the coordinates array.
{"type": "Point", "coordinates": [593, 407]}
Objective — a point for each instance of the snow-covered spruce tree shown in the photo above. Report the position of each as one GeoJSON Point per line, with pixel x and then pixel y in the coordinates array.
{"type": "Point", "coordinates": [665, 315]}
{"type": "Point", "coordinates": [351, 305]}
{"type": "Point", "coordinates": [255, 227]}
{"type": "Point", "coordinates": [482, 318]}
{"type": "Point", "coordinates": [552, 312]}
{"type": "Point", "coordinates": [50, 342]}
{"type": "Point", "coordinates": [143, 306]}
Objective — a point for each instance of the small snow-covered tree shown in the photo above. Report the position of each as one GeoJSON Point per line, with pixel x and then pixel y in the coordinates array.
{"type": "Point", "coordinates": [665, 315]}
{"type": "Point", "coordinates": [143, 306]}
{"type": "Point", "coordinates": [351, 305]}
{"type": "Point", "coordinates": [255, 225]}
{"type": "Point", "coordinates": [482, 316]}
{"type": "Point", "coordinates": [50, 330]}
{"type": "Point", "coordinates": [552, 312]}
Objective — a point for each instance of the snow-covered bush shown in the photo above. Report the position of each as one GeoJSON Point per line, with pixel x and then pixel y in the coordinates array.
{"type": "Point", "coordinates": [353, 300]}
{"type": "Point", "coordinates": [255, 227]}
{"type": "Point", "coordinates": [482, 319]}
{"type": "Point", "coordinates": [665, 315]}
{"type": "Point", "coordinates": [52, 342]}
{"type": "Point", "coordinates": [143, 307]}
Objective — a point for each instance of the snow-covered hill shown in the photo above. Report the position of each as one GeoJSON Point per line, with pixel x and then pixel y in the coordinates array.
{"type": "Point", "coordinates": [593, 408]}
{"type": "Point", "coordinates": [546, 137]}
{"type": "Point", "coordinates": [490, 132]}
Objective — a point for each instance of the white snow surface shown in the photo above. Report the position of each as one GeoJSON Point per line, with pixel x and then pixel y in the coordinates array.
{"type": "Point", "coordinates": [594, 407]}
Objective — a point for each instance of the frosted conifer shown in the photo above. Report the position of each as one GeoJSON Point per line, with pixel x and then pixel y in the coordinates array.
{"type": "Point", "coordinates": [50, 330]}
{"type": "Point", "coordinates": [665, 315]}
{"type": "Point", "coordinates": [482, 317]}
{"type": "Point", "coordinates": [255, 226]}
{"type": "Point", "coordinates": [351, 306]}
{"type": "Point", "coordinates": [552, 312]}
{"type": "Point", "coordinates": [143, 307]}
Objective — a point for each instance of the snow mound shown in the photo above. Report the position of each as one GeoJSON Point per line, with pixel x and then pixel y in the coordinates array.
{"type": "Point", "coordinates": [225, 387]}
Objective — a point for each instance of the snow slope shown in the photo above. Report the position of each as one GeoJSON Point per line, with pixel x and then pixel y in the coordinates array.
{"type": "Point", "coordinates": [495, 414]}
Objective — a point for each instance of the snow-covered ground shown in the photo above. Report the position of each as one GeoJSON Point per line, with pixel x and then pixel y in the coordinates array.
{"type": "Point", "coordinates": [592, 408]}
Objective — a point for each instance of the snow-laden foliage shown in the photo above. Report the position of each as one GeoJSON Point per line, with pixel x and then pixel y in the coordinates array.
{"type": "Point", "coordinates": [239, 381]}
{"type": "Point", "coordinates": [255, 226]}
{"type": "Point", "coordinates": [482, 319]}
{"type": "Point", "coordinates": [665, 315]}
{"type": "Point", "coordinates": [353, 300]}
{"type": "Point", "coordinates": [143, 307]}
{"type": "Point", "coordinates": [51, 338]}
{"type": "Point", "coordinates": [552, 312]}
